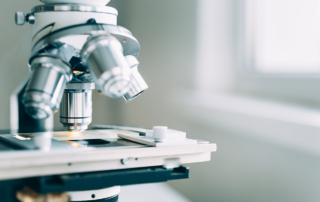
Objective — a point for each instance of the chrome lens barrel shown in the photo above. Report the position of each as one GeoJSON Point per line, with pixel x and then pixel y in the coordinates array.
{"type": "Point", "coordinates": [103, 55]}
{"type": "Point", "coordinates": [44, 90]}
{"type": "Point", "coordinates": [138, 85]}
{"type": "Point", "coordinates": [76, 106]}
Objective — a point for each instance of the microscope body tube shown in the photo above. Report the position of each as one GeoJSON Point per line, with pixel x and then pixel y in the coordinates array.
{"type": "Point", "coordinates": [76, 106]}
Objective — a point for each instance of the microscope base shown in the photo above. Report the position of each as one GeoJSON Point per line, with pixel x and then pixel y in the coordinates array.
{"type": "Point", "coordinates": [78, 183]}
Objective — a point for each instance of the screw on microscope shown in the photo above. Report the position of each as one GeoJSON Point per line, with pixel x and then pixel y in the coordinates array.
{"type": "Point", "coordinates": [30, 18]}
{"type": "Point", "coordinates": [125, 161]}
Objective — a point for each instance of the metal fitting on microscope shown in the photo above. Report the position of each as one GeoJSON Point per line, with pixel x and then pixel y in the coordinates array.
{"type": "Point", "coordinates": [138, 85]}
{"type": "Point", "coordinates": [49, 74]}
{"type": "Point", "coordinates": [103, 55]}
{"type": "Point", "coordinates": [76, 106]}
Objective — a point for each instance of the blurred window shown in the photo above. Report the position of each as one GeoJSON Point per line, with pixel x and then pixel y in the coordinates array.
{"type": "Point", "coordinates": [281, 36]}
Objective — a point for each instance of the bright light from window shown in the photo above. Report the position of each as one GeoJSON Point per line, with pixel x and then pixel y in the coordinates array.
{"type": "Point", "coordinates": [282, 36]}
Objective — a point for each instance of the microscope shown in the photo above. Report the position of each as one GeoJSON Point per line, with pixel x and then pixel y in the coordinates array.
{"type": "Point", "coordinates": [77, 47]}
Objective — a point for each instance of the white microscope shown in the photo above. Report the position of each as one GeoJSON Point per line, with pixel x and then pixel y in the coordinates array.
{"type": "Point", "coordinates": [77, 46]}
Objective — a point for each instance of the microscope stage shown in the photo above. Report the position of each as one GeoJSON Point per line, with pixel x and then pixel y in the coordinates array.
{"type": "Point", "coordinates": [92, 150]}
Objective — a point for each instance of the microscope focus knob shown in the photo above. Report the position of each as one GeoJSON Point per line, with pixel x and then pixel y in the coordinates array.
{"type": "Point", "coordinates": [20, 18]}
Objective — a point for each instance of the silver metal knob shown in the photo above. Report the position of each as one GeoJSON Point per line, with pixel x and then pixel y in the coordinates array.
{"type": "Point", "coordinates": [30, 18]}
{"type": "Point", "coordinates": [20, 18]}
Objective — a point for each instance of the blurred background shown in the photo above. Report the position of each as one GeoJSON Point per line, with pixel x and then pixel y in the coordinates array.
{"type": "Point", "coordinates": [244, 74]}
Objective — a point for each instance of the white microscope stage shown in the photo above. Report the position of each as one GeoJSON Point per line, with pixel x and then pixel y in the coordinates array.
{"type": "Point", "coordinates": [108, 152]}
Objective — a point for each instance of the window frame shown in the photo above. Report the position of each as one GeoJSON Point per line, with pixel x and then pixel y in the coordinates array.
{"type": "Point", "coordinates": [245, 51]}
{"type": "Point", "coordinates": [300, 88]}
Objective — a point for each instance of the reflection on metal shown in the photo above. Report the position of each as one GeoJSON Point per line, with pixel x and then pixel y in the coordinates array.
{"type": "Point", "coordinates": [45, 87]}
{"type": "Point", "coordinates": [138, 85]}
{"type": "Point", "coordinates": [76, 106]}
{"type": "Point", "coordinates": [103, 55]}
{"type": "Point", "coordinates": [74, 8]}
{"type": "Point", "coordinates": [20, 121]}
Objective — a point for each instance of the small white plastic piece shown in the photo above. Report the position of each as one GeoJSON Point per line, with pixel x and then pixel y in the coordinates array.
{"type": "Point", "coordinates": [147, 140]}
{"type": "Point", "coordinates": [171, 134]}
{"type": "Point", "coordinates": [42, 141]}
{"type": "Point", "coordinates": [160, 133]}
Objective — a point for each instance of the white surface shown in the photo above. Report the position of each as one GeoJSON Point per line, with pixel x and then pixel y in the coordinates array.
{"type": "Point", "coordinates": [42, 141]}
{"type": "Point", "coordinates": [292, 126]}
{"type": "Point", "coordinates": [171, 134]}
{"type": "Point", "coordinates": [74, 162]}
{"type": "Point", "coordinates": [17, 164]}
{"type": "Point", "coordinates": [62, 19]}
{"type": "Point", "coordinates": [99, 194]}
{"type": "Point", "coordinates": [160, 133]}
{"type": "Point", "coordinates": [152, 142]}
{"type": "Point", "coordinates": [159, 192]}
{"type": "Point", "coordinates": [251, 106]}
{"type": "Point", "coordinates": [89, 2]}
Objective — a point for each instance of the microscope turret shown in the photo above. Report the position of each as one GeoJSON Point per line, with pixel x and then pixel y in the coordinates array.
{"type": "Point", "coordinates": [76, 46]}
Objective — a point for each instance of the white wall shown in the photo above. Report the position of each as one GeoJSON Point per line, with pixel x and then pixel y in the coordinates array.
{"type": "Point", "coordinates": [13, 53]}
{"type": "Point", "coordinates": [246, 167]}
